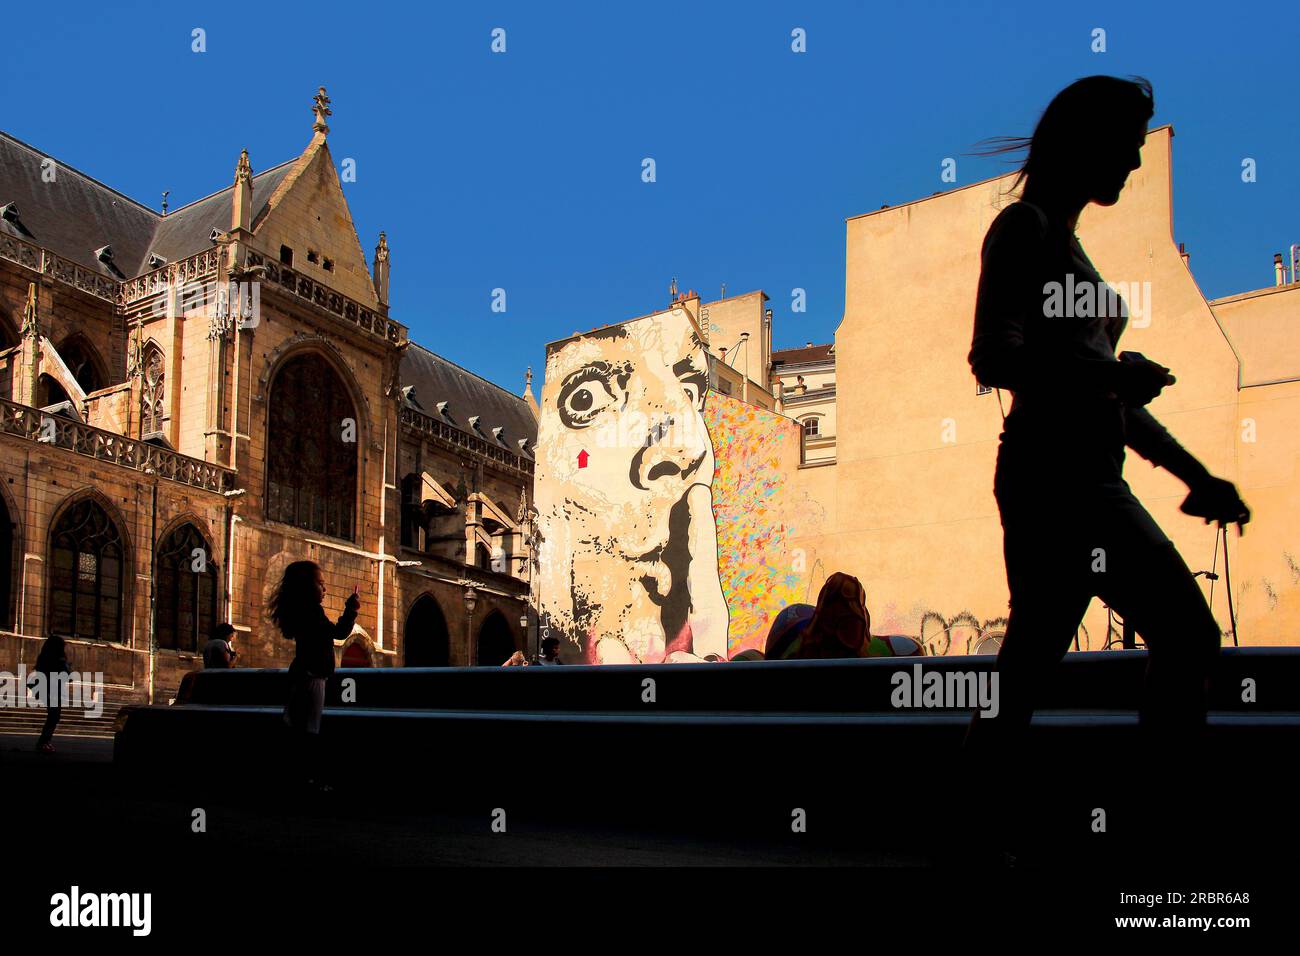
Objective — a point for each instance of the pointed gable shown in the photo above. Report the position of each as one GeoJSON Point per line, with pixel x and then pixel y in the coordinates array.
{"type": "Point", "coordinates": [308, 213]}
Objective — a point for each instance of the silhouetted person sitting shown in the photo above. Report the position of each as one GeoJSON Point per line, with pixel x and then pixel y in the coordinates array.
{"type": "Point", "coordinates": [296, 610]}
{"type": "Point", "coordinates": [217, 652]}
{"type": "Point", "coordinates": [840, 625]}
{"type": "Point", "coordinates": [52, 664]}
{"type": "Point", "coordinates": [550, 653]}
{"type": "Point", "coordinates": [1072, 527]}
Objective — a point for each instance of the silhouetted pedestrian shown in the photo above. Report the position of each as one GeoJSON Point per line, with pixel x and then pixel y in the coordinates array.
{"type": "Point", "coordinates": [1072, 528]}
{"type": "Point", "coordinates": [296, 610]}
{"type": "Point", "coordinates": [52, 664]}
{"type": "Point", "coordinates": [550, 652]}
{"type": "Point", "coordinates": [218, 653]}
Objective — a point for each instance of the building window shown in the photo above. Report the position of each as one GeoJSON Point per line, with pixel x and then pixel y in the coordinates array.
{"type": "Point", "coordinates": [185, 599]}
{"type": "Point", "coordinates": [810, 428]}
{"type": "Point", "coordinates": [87, 554]}
{"type": "Point", "coordinates": [80, 358]}
{"type": "Point", "coordinates": [312, 449]}
{"type": "Point", "coordinates": [151, 397]}
{"type": "Point", "coordinates": [286, 255]}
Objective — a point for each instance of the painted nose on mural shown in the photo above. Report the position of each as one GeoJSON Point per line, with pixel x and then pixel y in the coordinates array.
{"type": "Point", "coordinates": [663, 456]}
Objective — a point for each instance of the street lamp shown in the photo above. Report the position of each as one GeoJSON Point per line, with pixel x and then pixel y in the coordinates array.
{"type": "Point", "coordinates": [471, 598]}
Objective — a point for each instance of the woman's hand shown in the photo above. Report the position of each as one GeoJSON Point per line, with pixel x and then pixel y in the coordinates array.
{"type": "Point", "coordinates": [1216, 499]}
{"type": "Point", "coordinates": [353, 602]}
{"type": "Point", "coordinates": [1140, 379]}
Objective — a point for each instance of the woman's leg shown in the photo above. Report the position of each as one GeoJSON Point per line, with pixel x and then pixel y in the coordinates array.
{"type": "Point", "coordinates": [52, 715]}
{"type": "Point", "coordinates": [1047, 565]}
{"type": "Point", "coordinates": [1156, 593]}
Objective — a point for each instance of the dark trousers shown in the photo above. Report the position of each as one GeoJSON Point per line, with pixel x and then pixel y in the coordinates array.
{"type": "Point", "coordinates": [52, 715]}
{"type": "Point", "coordinates": [1096, 541]}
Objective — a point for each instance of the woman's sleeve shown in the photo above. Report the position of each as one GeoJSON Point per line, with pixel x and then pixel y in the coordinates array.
{"type": "Point", "coordinates": [1150, 439]}
{"type": "Point", "coordinates": [340, 630]}
{"type": "Point", "coordinates": [1009, 298]}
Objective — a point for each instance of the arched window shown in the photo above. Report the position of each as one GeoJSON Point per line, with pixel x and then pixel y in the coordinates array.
{"type": "Point", "coordinates": [185, 599]}
{"type": "Point", "coordinates": [8, 562]}
{"type": "Point", "coordinates": [87, 555]}
{"type": "Point", "coordinates": [496, 642]}
{"type": "Point", "coordinates": [311, 457]}
{"type": "Point", "coordinates": [425, 641]}
{"type": "Point", "coordinates": [49, 392]}
{"type": "Point", "coordinates": [151, 394]}
{"type": "Point", "coordinates": [80, 358]}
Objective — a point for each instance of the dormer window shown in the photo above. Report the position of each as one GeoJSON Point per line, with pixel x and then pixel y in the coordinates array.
{"type": "Point", "coordinates": [105, 255]}
{"type": "Point", "coordinates": [329, 265]}
{"type": "Point", "coordinates": [442, 410]}
{"type": "Point", "coordinates": [473, 422]}
{"type": "Point", "coordinates": [313, 256]}
{"type": "Point", "coordinates": [156, 261]}
{"type": "Point", "coordinates": [496, 433]}
{"type": "Point", "coordinates": [214, 235]}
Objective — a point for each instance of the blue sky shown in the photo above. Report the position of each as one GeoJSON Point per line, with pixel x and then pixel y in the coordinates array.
{"type": "Point", "coordinates": [523, 170]}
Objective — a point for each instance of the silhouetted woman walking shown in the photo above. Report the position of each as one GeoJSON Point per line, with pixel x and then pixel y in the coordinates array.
{"type": "Point", "coordinates": [51, 662]}
{"type": "Point", "coordinates": [1072, 528]}
{"type": "Point", "coordinates": [296, 610]}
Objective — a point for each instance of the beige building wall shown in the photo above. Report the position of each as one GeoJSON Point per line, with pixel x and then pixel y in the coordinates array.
{"type": "Point", "coordinates": [917, 444]}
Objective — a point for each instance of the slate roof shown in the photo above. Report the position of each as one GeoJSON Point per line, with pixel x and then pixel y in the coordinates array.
{"type": "Point", "coordinates": [185, 231]}
{"type": "Point", "coordinates": [803, 356]}
{"type": "Point", "coordinates": [76, 214]}
{"type": "Point", "coordinates": [435, 379]}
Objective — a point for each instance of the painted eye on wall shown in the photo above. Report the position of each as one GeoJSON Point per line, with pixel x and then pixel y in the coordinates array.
{"type": "Point", "coordinates": [584, 395]}
{"type": "Point", "coordinates": [694, 386]}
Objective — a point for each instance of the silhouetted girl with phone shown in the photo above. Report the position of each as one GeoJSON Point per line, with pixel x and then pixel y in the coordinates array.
{"type": "Point", "coordinates": [296, 609]}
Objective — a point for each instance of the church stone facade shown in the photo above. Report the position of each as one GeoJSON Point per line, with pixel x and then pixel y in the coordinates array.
{"type": "Point", "coordinates": [191, 400]}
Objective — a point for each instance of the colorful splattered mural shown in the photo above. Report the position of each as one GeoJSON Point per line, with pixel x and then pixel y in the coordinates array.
{"type": "Point", "coordinates": [757, 518]}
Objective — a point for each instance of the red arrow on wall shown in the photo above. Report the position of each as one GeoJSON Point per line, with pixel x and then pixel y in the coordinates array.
{"type": "Point", "coordinates": [582, 458]}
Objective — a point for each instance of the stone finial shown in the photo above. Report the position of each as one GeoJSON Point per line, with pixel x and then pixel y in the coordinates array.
{"type": "Point", "coordinates": [379, 272]}
{"type": "Point", "coordinates": [241, 214]}
{"type": "Point", "coordinates": [528, 378]}
{"type": "Point", "coordinates": [244, 169]}
{"type": "Point", "coordinates": [321, 107]}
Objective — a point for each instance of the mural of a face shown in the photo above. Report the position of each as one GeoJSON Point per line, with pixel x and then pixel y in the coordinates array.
{"type": "Point", "coordinates": [628, 559]}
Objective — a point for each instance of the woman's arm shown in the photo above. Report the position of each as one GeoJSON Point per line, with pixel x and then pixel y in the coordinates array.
{"type": "Point", "coordinates": [343, 627]}
{"type": "Point", "coordinates": [1211, 498]}
{"type": "Point", "coordinates": [1150, 439]}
